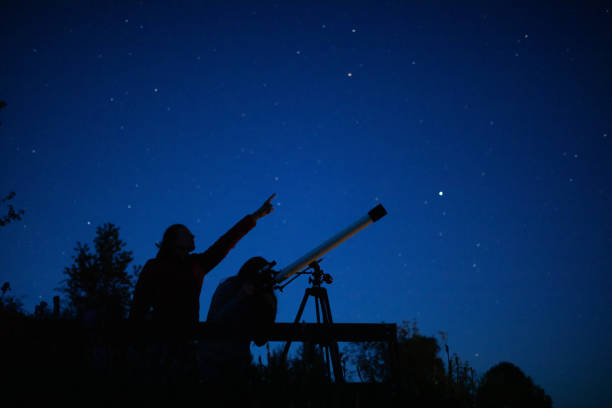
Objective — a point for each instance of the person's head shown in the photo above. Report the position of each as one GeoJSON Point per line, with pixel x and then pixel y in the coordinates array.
{"type": "Point", "coordinates": [177, 241]}
{"type": "Point", "coordinates": [250, 270]}
{"type": "Point", "coordinates": [258, 286]}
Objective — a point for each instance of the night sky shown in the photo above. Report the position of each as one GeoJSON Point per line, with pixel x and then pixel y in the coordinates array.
{"type": "Point", "coordinates": [483, 129]}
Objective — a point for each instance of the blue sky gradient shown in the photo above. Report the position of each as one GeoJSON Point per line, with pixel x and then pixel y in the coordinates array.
{"type": "Point", "coordinates": [484, 129]}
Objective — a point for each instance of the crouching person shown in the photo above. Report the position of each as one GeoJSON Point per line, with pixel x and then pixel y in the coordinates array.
{"type": "Point", "coordinates": [239, 303]}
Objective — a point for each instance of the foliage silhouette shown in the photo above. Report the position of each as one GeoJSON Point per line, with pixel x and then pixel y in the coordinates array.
{"type": "Point", "coordinates": [422, 379]}
{"type": "Point", "coordinates": [98, 285]}
{"type": "Point", "coordinates": [12, 214]}
{"type": "Point", "coordinates": [10, 306]}
{"type": "Point", "coordinates": [505, 385]}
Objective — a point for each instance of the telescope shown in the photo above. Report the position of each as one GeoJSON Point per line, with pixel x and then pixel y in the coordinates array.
{"type": "Point", "coordinates": [372, 216]}
{"type": "Point", "coordinates": [323, 309]}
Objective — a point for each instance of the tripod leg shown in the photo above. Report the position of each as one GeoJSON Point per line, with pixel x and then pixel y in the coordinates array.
{"type": "Point", "coordinates": [319, 309]}
{"type": "Point", "coordinates": [333, 345]}
{"type": "Point", "coordinates": [297, 320]}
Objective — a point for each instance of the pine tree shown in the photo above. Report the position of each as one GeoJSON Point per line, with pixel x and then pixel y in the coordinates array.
{"type": "Point", "coordinates": [98, 284]}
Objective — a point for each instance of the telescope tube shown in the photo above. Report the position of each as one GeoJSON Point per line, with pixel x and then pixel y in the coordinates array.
{"type": "Point", "coordinates": [373, 215]}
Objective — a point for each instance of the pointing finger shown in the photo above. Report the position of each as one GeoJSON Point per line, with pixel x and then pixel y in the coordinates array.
{"type": "Point", "coordinates": [271, 197]}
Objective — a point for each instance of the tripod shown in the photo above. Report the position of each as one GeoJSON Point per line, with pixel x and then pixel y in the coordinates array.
{"type": "Point", "coordinates": [323, 311]}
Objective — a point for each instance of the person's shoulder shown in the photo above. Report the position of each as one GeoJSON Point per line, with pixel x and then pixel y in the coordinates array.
{"type": "Point", "coordinates": [196, 259]}
{"type": "Point", "coordinates": [151, 262]}
{"type": "Point", "coordinates": [150, 266]}
{"type": "Point", "coordinates": [228, 284]}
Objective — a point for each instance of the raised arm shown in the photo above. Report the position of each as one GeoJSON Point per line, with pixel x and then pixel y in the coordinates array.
{"type": "Point", "coordinates": [215, 254]}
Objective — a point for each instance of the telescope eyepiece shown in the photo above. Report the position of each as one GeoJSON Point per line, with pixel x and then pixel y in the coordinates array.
{"type": "Point", "coordinates": [258, 271]}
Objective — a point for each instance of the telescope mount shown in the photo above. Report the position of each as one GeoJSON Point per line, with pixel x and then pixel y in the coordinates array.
{"type": "Point", "coordinates": [324, 316]}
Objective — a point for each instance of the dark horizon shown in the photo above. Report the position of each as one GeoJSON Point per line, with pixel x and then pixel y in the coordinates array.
{"type": "Point", "coordinates": [483, 129]}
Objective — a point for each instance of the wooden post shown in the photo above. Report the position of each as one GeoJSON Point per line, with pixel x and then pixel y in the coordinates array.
{"type": "Point", "coordinates": [56, 307]}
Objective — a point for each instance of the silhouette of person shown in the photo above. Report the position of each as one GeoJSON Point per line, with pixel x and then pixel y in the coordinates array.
{"type": "Point", "coordinates": [239, 302]}
{"type": "Point", "coordinates": [170, 284]}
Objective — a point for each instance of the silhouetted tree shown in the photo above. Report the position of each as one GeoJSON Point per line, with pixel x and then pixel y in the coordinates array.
{"type": "Point", "coordinates": [12, 214]}
{"type": "Point", "coordinates": [42, 311]}
{"type": "Point", "coordinates": [98, 284]}
{"type": "Point", "coordinates": [505, 385]}
{"type": "Point", "coordinates": [422, 377]}
{"type": "Point", "coordinates": [9, 305]}
{"type": "Point", "coordinates": [416, 352]}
